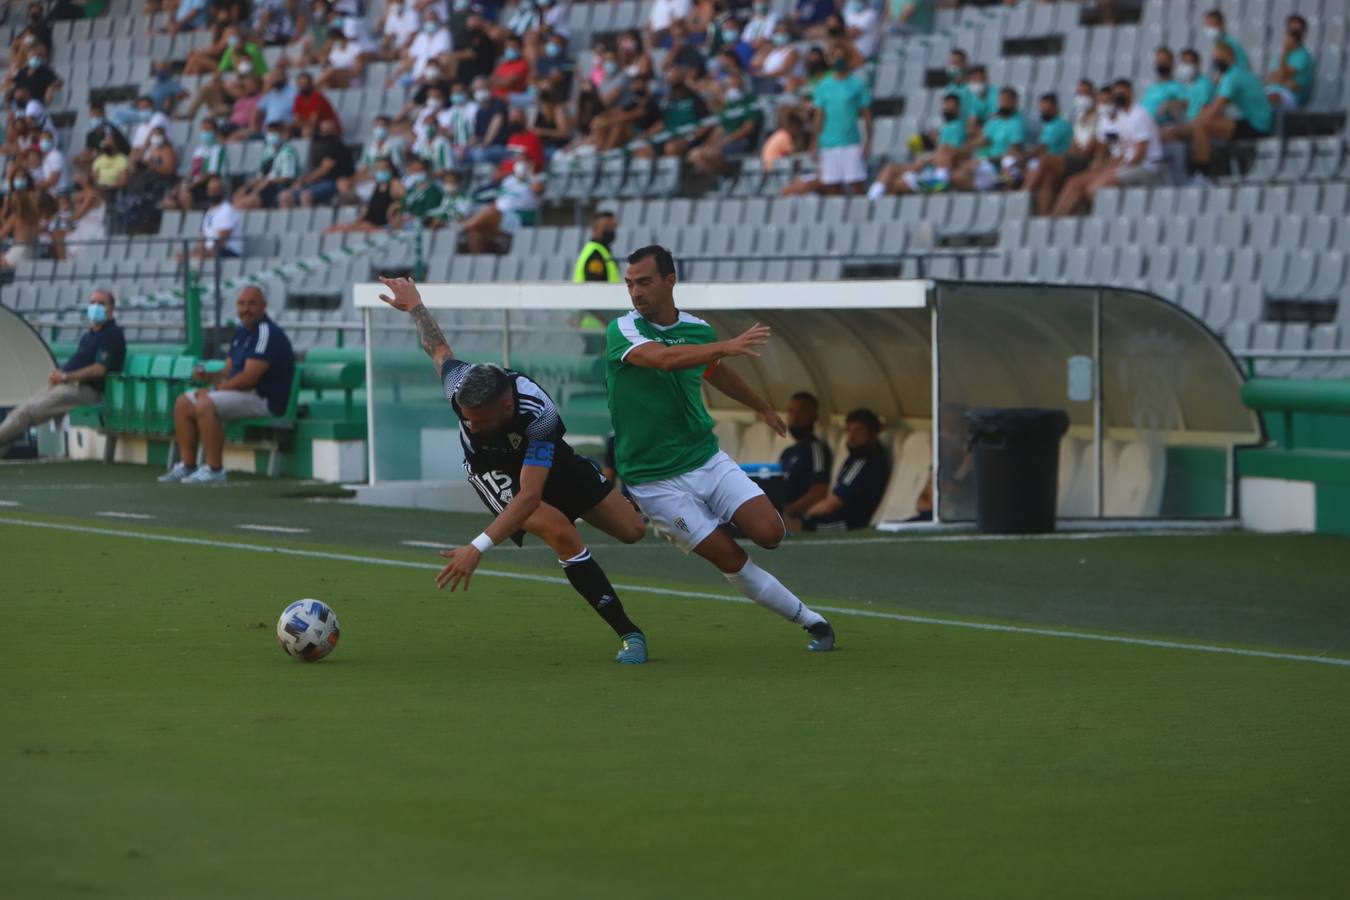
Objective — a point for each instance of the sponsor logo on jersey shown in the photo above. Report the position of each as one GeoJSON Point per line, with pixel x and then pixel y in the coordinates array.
{"type": "Point", "coordinates": [515, 441]}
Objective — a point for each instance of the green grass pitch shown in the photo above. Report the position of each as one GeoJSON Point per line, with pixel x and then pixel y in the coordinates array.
{"type": "Point", "coordinates": [156, 743]}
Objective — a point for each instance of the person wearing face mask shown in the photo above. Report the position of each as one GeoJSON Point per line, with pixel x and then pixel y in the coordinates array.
{"type": "Point", "coordinates": [277, 171]}
{"type": "Point", "coordinates": [733, 42]}
{"type": "Point", "coordinates": [222, 226]}
{"type": "Point", "coordinates": [1000, 150]}
{"type": "Point", "coordinates": [167, 91]}
{"type": "Point", "coordinates": [912, 16]}
{"type": "Point", "coordinates": [807, 463]}
{"type": "Point", "coordinates": [344, 64]}
{"type": "Point", "coordinates": [434, 148]}
{"type": "Point", "coordinates": [37, 78]}
{"type": "Point", "coordinates": [553, 63]}
{"type": "Point", "coordinates": [739, 124]}
{"type": "Point", "coordinates": [111, 167]}
{"type": "Point", "coordinates": [1216, 32]}
{"type": "Point", "coordinates": [477, 56]}
{"type": "Point", "coordinates": [981, 99]}
{"type": "Point", "coordinates": [1165, 99]}
{"type": "Point", "coordinates": [208, 162]}
{"type": "Point", "coordinates": [842, 101]}
{"type": "Point", "coordinates": [777, 66]}
{"type": "Point", "coordinates": [596, 260]}
{"type": "Point", "coordinates": [1128, 153]}
{"type": "Point", "coordinates": [277, 104]}
{"type": "Point", "coordinates": [515, 207]}
{"type": "Point", "coordinates": [521, 140]}
{"type": "Point", "coordinates": [245, 121]}
{"type": "Point", "coordinates": [311, 109]}
{"type": "Point", "coordinates": [424, 199]}
{"type": "Point", "coordinates": [100, 131]}
{"type": "Point", "coordinates": [1290, 84]}
{"type": "Point", "coordinates": [682, 113]}
{"type": "Point", "coordinates": [551, 121]}
{"type": "Point", "coordinates": [147, 120]}
{"type": "Point", "coordinates": [490, 131]}
{"type": "Point", "coordinates": [1199, 87]}
{"type": "Point", "coordinates": [432, 40]}
{"type": "Point", "coordinates": [385, 195]}
{"type": "Point", "coordinates": [398, 27]}
{"type": "Point", "coordinates": [22, 220]}
{"type": "Point", "coordinates": [809, 18]}
{"type": "Point", "coordinates": [273, 22]}
{"type": "Point", "coordinates": [79, 382]}
{"type": "Point", "coordinates": [613, 87]}
{"type": "Point", "coordinates": [862, 25]}
{"type": "Point", "coordinates": [329, 160]}
{"type": "Point", "coordinates": [382, 146]}
{"type": "Point", "coordinates": [660, 19]}
{"type": "Point", "coordinates": [1057, 154]}
{"type": "Point", "coordinates": [1239, 111]}
{"type": "Point", "coordinates": [758, 32]}
{"type": "Point", "coordinates": [188, 15]}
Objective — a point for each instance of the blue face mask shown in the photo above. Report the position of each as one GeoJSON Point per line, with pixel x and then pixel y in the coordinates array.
{"type": "Point", "coordinates": [271, 139]}
{"type": "Point", "coordinates": [553, 50]}
{"type": "Point", "coordinates": [96, 122]}
{"type": "Point", "coordinates": [20, 184]}
{"type": "Point", "coordinates": [97, 313]}
{"type": "Point", "coordinates": [459, 99]}
{"type": "Point", "coordinates": [511, 54]}
{"type": "Point", "coordinates": [379, 132]}
{"type": "Point", "coordinates": [383, 176]}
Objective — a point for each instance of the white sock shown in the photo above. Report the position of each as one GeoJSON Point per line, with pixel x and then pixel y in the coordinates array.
{"type": "Point", "coordinates": [767, 591]}
{"type": "Point", "coordinates": [911, 181]}
{"type": "Point", "coordinates": [876, 191]}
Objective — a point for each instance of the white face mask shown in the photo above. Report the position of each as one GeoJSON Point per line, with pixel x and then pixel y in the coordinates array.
{"type": "Point", "coordinates": [522, 169]}
{"type": "Point", "coordinates": [1081, 105]}
{"type": "Point", "coordinates": [1212, 33]}
{"type": "Point", "coordinates": [245, 68]}
{"type": "Point", "coordinates": [978, 88]}
{"type": "Point", "coordinates": [433, 104]}
{"type": "Point", "coordinates": [1186, 72]}
{"type": "Point", "coordinates": [482, 95]}
{"type": "Point", "coordinates": [156, 140]}
{"type": "Point", "coordinates": [734, 95]}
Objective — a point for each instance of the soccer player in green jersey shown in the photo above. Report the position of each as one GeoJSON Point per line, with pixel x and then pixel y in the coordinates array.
{"type": "Point", "coordinates": [657, 359]}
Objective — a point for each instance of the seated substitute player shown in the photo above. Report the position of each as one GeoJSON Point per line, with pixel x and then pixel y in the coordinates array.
{"type": "Point", "coordinates": [524, 472]}
{"type": "Point", "coordinates": [807, 462]}
{"type": "Point", "coordinates": [657, 359]}
{"type": "Point", "coordinates": [862, 481]}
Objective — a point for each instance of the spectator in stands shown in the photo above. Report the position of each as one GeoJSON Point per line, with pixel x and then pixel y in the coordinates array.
{"type": "Point", "coordinates": [510, 80]}
{"type": "Point", "coordinates": [1052, 165]}
{"type": "Point", "coordinates": [208, 162]}
{"type": "Point", "coordinates": [274, 22]}
{"type": "Point", "coordinates": [240, 57]}
{"type": "Point", "coordinates": [979, 101]}
{"type": "Point", "coordinates": [685, 55]}
{"type": "Point", "coordinates": [1290, 84]}
{"type": "Point", "coordinates": [398, 26]}
{"type": "Point", "coordinates": [489, 131]}
{"type": "Point", "coordinates": [100, 131]}
{"type": "Point", "coordinates": [277, 104]}
{"type": "Point", "coordinates": [554, 66]}
{"type": "Point", "coordinates": [431, 41]}
{"type": "Point", "coordinates": [147, 120]}
{"type": "Point", "coordinates": [758, 31]}
{"type": "Point", "coordinates": [277, 171]}
{"type": "Point", "coordinates": [1252, 117]}
{"type": "Point", "coordinates": [55, 175]}
{"type": "Point", "coordinates": [22, 219]}
{"type": "Point", "coordinates": [596, 260]}
{"type": "Point", "coordinates": [639, 114]}
{"type": "Point", "coordinates": [433, 147]}
{"type": "Point", "coordinates": [424, 200]}
{"type": "Point", "coordinates": [38, 26]}
{"type": "Point", "coordinates": [477, 56]}
{"type": "Point", "coordinates": [1199, 88]}
{"type": "Point", "coordinates": [167, 91]}
{"type": "Point", "coordinates": [521, 142]}
{"type": "Point", "coordinates": [789, 139]}
{"type": "Point", "coordinates": [79, 382]}
{"type": "Point", "coordinates": [841, 101]}
{"type": "Point", "coordinates": [1165, 99]}
{"type": "Point", "coordinates": [733, 41]}
{"type": "Point", "coordinates": [385, 195]}
{"type": "Point", "coordinates": [255, 384]}
{"type": "Point", "coordinates": [806, 464]}
{"type": "Point", "coordinates": [912, 16]}
{"type": "Point", "coordinates": [551, 121]}
{"type": "Point", "coordinates": [222, 226]}
{"type": "Point", "coordinates": [516, 206]}
{"type": "Point", "coordinates": [111, 167]}
{"type": "Point", "coordinates": [862, 25]}
{"type": "Point", "coordinates": [154, 169]}
{"type": "Point", "coordinates": [312, 108]}
{"type": "Point", "coordinates": [189, 16]}
{"type": "Point", "coordinates": [662, 16]}
{"type": "Point", "coordinates": [381, 146]}
{"type": "Point", "coordinates": [343, 64]}
{"type": "Point", "coordinates": [809, 17]}
{"type": "Point", "coordinates": [459, 121]}
{"type": "Point", "coordinates": [37, 78]}
{"type": "Point", "coordinates": [244, 123]}
{"type": "Point", "coordinates": [680, 128]}
{"type": "Point", "coordinates": [837, 44]}
{"type": "Point", "coordinates": [737, 131]}
{"type": "Point", "coordinates": [329, 160]}
{"type": "Point", "coordinates": [999, 151]}
{"type": "Point", "coordinates": [1216, 32]}
{"type": "Point", "coordinates": [861, 484]}
{"type": "Point", "coordinates": [1130, 152]}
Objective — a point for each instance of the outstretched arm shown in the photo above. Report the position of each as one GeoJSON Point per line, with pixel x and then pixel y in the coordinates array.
{"type": "Point", "coordinates": [407, 299]}
{"type": "Point", "coordinates": [725, 379]}
{"type": "Point", "coordinates": [652, 355]}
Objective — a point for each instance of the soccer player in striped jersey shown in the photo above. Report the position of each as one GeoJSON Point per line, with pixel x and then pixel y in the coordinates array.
{"type": "Point", "coordinates": [657, 358]}
{"type": "Point", "coordinates": [526, 474]}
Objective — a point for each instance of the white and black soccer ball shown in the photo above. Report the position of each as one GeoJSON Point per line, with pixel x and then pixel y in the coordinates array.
{"type": "Point", "coordinates": [308, 630]}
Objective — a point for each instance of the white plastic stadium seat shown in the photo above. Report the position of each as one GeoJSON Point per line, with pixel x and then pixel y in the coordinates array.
{"type": "Point", "coordinates": [757, 442]}
{"type": "Point", "coordinates": [728, 433]}
{"type": "Point", "coordinates": [911, 462]}
{"type": "Point", "coordinates": [1133, 480]}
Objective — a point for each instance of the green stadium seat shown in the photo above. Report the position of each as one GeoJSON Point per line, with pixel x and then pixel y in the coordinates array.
{"type": "Point", "coordinates": [159, 397]}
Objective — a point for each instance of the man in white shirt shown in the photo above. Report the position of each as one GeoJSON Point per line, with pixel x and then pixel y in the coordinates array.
{"type": "Point", "coordinates": [863, 24]}
{"type": "Point", "coordinates": [431, 42]}
{"type": "Point", "coordinates": [55, 175]}
{"type": "Point", "coordinates": [148, 120]}
{"type": "Point", "coordinates": [222, 227]}
{"type": "Point", "coordinates": [400, 25]}
{"type": "Point", "coordinates": [1129, 152]}
{"type": "Point", "coordinates": [663, 15]}
{"type": "Point", "coordinates": [759, 30]}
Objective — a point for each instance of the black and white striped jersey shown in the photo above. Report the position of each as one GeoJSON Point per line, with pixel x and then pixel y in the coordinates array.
{"type": "Point", "coordinates": [533, 436]}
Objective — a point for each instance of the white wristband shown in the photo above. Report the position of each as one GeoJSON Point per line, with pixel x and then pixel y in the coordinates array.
{"type": "Point", "coordinates": [483, 543]}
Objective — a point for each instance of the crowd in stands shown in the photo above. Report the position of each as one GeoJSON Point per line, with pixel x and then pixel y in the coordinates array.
{"type": "Point", "coordinates": [469, 83]}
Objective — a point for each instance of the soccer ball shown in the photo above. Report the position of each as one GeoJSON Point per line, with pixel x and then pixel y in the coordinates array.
{"type": "Point", "coordinates": [308, 629]}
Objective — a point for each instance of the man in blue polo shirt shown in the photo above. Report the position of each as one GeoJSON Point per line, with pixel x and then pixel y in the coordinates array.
{"type": "Point", "coordinates": [79, 382]}
{"type": "Point", "coordinates": [806, 464]}
{"type": "Point", "coordinates": [862, 481]}
{"type": "Point", "coordinates": [256, 383]}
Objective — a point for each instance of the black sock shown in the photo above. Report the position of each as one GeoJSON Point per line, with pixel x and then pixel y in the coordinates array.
{"type": "Point", "coordinates": [591, 582]}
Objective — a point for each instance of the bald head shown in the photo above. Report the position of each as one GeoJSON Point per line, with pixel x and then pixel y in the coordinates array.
{"type": "Point", "coordinates": [250, 307]}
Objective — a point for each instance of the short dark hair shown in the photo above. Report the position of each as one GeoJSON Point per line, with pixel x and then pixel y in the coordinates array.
{"type": "Point", "coordinates": [808, 397]}
{"type": "Point", "coordinates": [866, 417]}
{"type": "Point", "coordinates": [603, 214]}
{"type": "Point", "coordinates": [1087, 83]}
{"type": "Point", "coordinates": [112, 300]}
{"type": "Point", "coordinates": [1190, 51]}
{"type": "Point", "coordinates": [665, 263]}
{"type": "Point", "coordinates": [482, 384]}
{"type": "Point", "coordinates": [1124, 83]}
{"type": "Point", "coordinates": [1050, 98]}
{"type": "Point", "coordinates": [978, 70]}
{"type": "Point", "coordinates": [957, 51]}
{"type": "Point", "coordinates": [1011, 92]}
{"type": "Point", "coordinates": [1216, 13]}
{"type": "Point", "coordinates": [1297, 18]}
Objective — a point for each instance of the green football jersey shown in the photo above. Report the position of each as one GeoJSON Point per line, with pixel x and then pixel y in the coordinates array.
{"type": "Point", "coordinates": [661, 427]}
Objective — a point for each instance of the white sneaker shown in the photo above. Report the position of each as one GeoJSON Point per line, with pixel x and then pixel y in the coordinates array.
{"type": "Point", "coordinates": [876, 191]}
{"type": "Point", "coordinates": [205, 475]}
{"type": "Point", "coordinates": [176, 474]}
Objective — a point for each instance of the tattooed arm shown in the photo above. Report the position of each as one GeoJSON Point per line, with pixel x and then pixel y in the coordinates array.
{"type": "Point", "coordinates": [407, 299]}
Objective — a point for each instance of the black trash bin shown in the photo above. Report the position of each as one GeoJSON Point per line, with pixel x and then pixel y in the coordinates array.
{"type": "Point", "coordinates": [1016, 468]}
